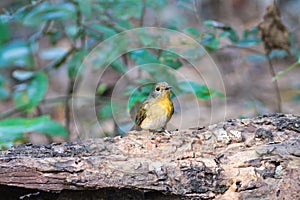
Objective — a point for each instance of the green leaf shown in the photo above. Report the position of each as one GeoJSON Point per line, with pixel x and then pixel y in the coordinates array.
{"type": "Point", "coordinates": [214, 24]}
{"type": "Point", "coordinates": [105, 110]}
{"type": "Point", "coordinates": [296, 98]}
{"type": "Point", "coordinates": [228, 31]}
{"type": "Point", "coordinates": [231, 34]}
{"type": "Point", "coordinates": [20, 97]}
{"type": "Point", "coordinates": [159, 72]}
{"type": "Point", "coordinates": [137, 95]}
{"type": "Point", "coordinates": [119, 66]}
{"type": "Point", "coordinates": [16, 53]}
{"type": "Point", "coordinates": [278, 54]}
{"type": "Point", "coordinates": [85, 7]}
{"type": "Point", "coordinates": [129, 90]}
{"type": "Point", "coordinates": [201, 91]}
{"type": "Point", "coordinates": [126, 10]}
{"type": "Point", "coordinates": [30, 95]}
{"type": "Point", "coordinates": [143, 81]}
{"type": "Point", "coordinates": [42, 124]}
{"type": "Point", "coordinates": [5, 33]}
{"type": "Point", "coordinates": [46, 11]}
{"type": "Point", "coordinates": [53, 53]}
{"type": "Point", "coordinates": [37, 88]}
{"type": "Point", "coordinates": [157, 4]}
{"type": "Point", "coordinates": [22, 75]}
{"type": "Point", "coordinates": [192, 31]}
{"type": "Point", "coordinates": [147, 39]}
{"type": "Point", "coordinates": [186, 5]}
{"type": "Point", "coordinates": [250, 37]}
{"type": "Point", "coordinates": [210, 42]}
{"type": "Point", "coordinates": [107, 31]}
{"type": "Point", "coordinates": [251, 33]}
{"type": "Point", "coordinates": [143, 56]}
{"type": "Point", "coordinates": [4, 18]}
{"type": "Point", "coordinates": [75, 63]}
{"type": "Point", "coordinates": [136, 98]}
{"type": "Point", "coordinates": [102, 87]}
{"type": "Point", "coordinates": [124, 24]}
{"type": "Point", "coordinates": [170, 59]}
{"type": "Point", "coordinates": [7, 140]}
{"type": "Point", "coordinates": [72, 31]}
{"type": "Point", "coordinates": [248, 42]}
{"type": "Point", "coordinates": [216, 92]}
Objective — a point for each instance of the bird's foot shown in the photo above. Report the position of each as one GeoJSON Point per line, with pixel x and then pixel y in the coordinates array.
{"type": "Point", "coordinates": [164, 131]}
{"type": "Point", "coordinates": [167, 131]}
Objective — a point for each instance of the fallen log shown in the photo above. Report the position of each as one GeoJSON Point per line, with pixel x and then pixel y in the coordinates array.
{"type": "Point", "coordinates": [256, 158]}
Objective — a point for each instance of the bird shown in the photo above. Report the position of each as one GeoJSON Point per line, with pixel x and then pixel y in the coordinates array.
{"type": "Point", "coordinates": [156, 111]}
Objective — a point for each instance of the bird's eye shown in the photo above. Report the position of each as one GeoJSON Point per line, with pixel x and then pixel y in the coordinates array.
{"type": "Point", "coordinates": [157, 89]}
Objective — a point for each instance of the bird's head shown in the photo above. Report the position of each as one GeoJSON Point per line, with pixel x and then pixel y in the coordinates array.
{"type": "Point", "coordinates": [161, 89]}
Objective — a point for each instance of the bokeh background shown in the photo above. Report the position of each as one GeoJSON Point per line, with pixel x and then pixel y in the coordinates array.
{"type": "Point", "coordinates": [45, 44]}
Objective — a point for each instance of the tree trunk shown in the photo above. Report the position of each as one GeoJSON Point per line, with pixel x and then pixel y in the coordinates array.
{"type": "Point", "coordinates": [239, 159]}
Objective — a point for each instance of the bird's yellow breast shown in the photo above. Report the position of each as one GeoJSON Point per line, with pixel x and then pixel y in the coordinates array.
{"type": "Point", "coordinates": [158, 113]}
{"type": "Point", "coordinates": [167, 106]}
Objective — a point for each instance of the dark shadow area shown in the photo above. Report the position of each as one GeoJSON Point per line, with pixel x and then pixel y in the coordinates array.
{"type": "Point", "coordinates": [12, 193]}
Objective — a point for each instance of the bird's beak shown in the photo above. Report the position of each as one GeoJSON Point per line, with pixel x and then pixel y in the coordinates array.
{"type": "Point", "coordinates": [168, 87]}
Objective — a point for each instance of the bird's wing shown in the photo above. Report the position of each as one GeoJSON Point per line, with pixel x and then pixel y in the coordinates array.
{"type": "Point", "coordinates": [141, 115]}
{"type": "Point", "coordinates": [172, 111]}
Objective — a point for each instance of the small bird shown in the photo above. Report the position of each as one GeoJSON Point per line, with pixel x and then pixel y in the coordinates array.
{"type": "Point", "coordinates": [156, 111]}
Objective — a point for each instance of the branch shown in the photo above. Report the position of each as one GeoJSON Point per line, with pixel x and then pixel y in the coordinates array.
{"type": "Point", "coordinates": [112, 22]}
{"type": "Point", "coordinates": [275, 84]}
{"type": "Point", "coordinates": [239, 47]}
{"type": "Point", "coordinates": [287, 69]}
{"type": "Point", "coordinates": [272, 71]}
{"type": "Point", "coordinates": [195, 5]}
{"type": "Point", "coordinates": [237, 159]}
{"type": "Point", "coordinates": [57, 63]}
{"type": "Point", "coordinates": [67, 104]}
{"type": "Point", "coordinates": [38, 35]}
{"type": "Point", "coordinates": [143, 13]}
{"type": "Point", "coordinates": [24, 8]}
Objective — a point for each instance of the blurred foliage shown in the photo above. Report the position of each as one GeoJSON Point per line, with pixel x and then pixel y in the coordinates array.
{"type": "Point", "coordinates": [12, 129]}
{"type": "Point", "coordinates": [86, 23]}
{"type": "Point", "coordinates": [280, 73]}
{"type": "Point", "coordinates": [28, 95]}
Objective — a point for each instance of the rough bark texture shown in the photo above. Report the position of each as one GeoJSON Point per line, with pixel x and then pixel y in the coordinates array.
{"type": "Point", "coordinates": [239, 159]}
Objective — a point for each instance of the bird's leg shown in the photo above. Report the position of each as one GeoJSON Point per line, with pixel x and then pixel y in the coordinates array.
{"type": "Point", "coordinates": [163, 129]}
{"type": "Point", "coordinates": [167, 131]}
{"type": "Point", "coordinates": [151, 131]}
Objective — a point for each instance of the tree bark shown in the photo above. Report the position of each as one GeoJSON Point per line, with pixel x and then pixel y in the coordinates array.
{"type": "Point", "coordinates": [238, 159]}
